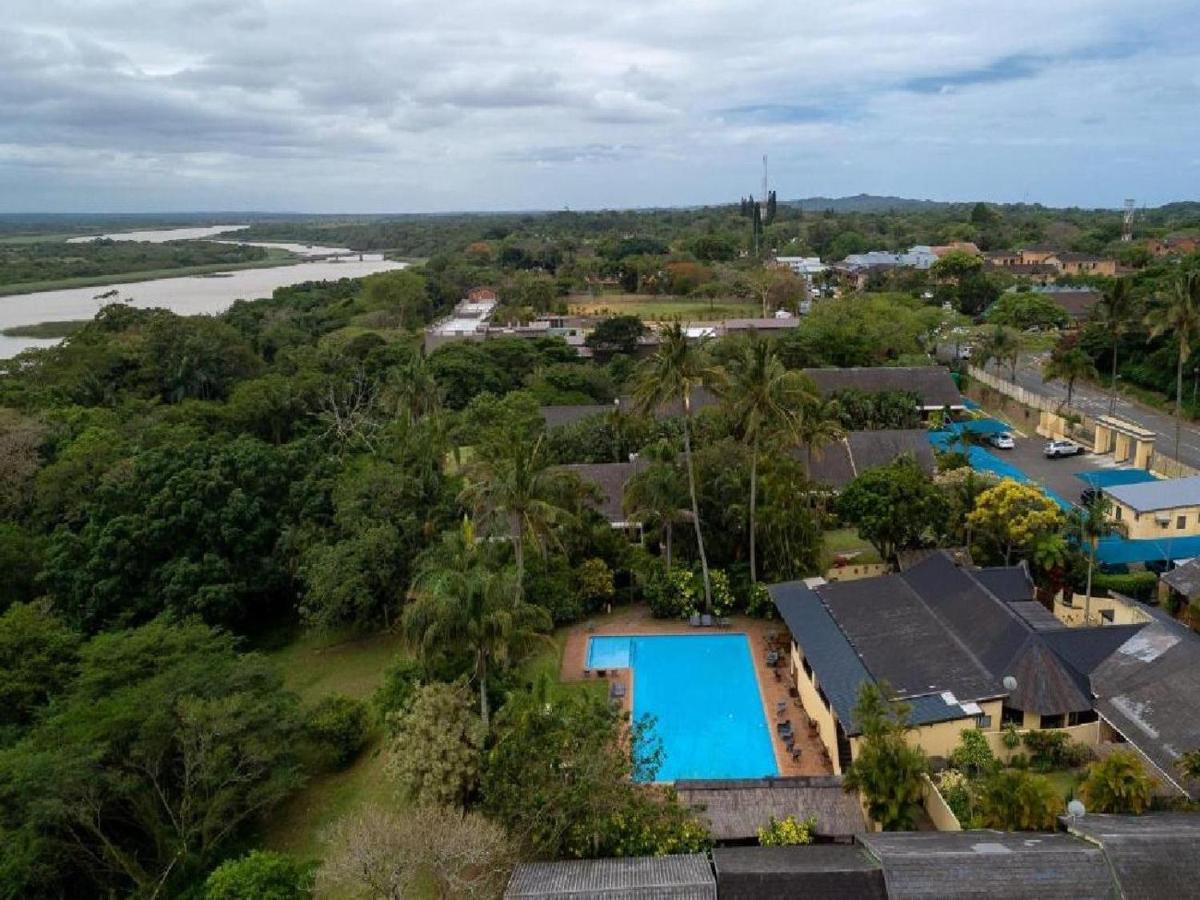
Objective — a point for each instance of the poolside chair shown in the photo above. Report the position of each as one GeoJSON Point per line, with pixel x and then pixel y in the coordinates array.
{"type": "Point", "coordinates": [723, 622]}
{"type": "Point", "coordinates": [780, 707]}
{"type": "Point", "coordinates": [694, 621]}
{"type": "Point", "coordinates": [796, 755]}
{"type": "Point", "coordinates": [784, 727]}
{"type": "Point", "coordinates": [706, 621]}
{"type": "Point", "coordinates": [772, 657]}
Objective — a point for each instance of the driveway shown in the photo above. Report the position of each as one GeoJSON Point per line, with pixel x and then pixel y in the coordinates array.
{"type": "Point", "coordinates": [1093, 401]}
{"type": "Point", "coordinates": [1057, 475]}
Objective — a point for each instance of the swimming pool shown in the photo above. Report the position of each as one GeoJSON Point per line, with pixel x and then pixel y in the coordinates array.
{"type": "Point", "coordinates": [704, 697]}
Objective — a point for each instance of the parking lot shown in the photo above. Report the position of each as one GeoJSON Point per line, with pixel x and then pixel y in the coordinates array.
{"type": "Point", "coordinates": [1057, 475]}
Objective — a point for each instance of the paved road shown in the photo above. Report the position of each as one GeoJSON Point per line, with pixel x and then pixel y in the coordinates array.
{"type": "Point", "coordinates": [1094, 402]}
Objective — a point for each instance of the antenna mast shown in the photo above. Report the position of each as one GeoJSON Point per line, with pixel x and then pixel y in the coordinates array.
{"type": "Point", "coordinates": [1127, 222]}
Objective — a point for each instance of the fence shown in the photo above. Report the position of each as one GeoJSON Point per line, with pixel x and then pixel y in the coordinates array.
{"type": "Point", "coordinates": [936, 806]}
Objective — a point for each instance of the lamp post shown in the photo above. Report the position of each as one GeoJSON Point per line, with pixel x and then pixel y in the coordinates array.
{"type": "Point", "coordinates": [1112, 399]}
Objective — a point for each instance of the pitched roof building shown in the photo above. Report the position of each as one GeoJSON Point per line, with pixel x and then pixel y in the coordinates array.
{"type": "Point", "coordinates": [932, 384]}
{"type": "Point", "coordinates": [682, 877]}
{"type": "Point", "coordinates": [736, 808]}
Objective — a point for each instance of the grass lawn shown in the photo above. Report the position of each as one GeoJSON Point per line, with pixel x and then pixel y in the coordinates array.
{"type": "Point", "coordinates": [846, 540]}
{"type": "Point", "coordinates": [317, 665]}
{"type": "Point", "coordinates": [660, 307]}
{"type": "Point", "coordinates": [1065, 781]}
{"type": "Point", "coordinates": [275, 257]}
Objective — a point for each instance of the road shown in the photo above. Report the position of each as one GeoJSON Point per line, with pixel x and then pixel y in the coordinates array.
{"type": "Point", "coordinates": [1093, 401]}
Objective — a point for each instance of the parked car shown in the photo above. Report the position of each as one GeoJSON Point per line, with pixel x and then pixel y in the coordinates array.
{"type": "Point", "coordinates": [1055, 449]}
{"type": "Point", "coordinates": [1002, 441]}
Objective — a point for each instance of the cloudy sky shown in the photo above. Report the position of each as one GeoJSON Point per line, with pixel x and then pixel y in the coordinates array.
{"type": "Point", "coordinates": [396, 105]}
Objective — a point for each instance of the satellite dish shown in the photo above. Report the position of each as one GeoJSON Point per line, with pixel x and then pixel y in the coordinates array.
{"type": "Point", "coordinates": [1076, 809]}
{"type": "Point", "coordinates": [1010, 683]}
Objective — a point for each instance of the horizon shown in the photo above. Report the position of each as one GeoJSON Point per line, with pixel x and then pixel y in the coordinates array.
{"type": "Point", "coordinates": [525, 105]}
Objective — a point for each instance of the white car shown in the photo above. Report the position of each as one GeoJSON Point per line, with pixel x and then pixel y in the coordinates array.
{"type": "Point", "coordinates": [1002, 441]}
{"type": "Point", "coordinates": [1055, 449]}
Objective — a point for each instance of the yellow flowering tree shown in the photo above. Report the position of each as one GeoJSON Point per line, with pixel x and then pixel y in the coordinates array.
{"type": "Point", "coordinates": [1010, 518]}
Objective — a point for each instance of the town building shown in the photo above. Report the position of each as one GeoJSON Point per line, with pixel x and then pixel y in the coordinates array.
{"type": "Point", "coordinates": [1157, 509]}
{"type": "Point", "coordinates": [1077, 302]}
{"type": "Point", "coordinates": [806, 266]}
{"type": "Point", "coordinates": [837, 464]}
{"type": "Point", "coordinates": [1172, 246]}
{"type": "Point", "coordinates": [933, 385]}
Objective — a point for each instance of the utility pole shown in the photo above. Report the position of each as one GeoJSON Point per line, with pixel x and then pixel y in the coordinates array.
{"type": "Point", "coordinates": [1127, 219]}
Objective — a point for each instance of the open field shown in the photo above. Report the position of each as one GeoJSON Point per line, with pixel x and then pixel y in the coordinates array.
{"type": "Point", "coordinates": [661, 307]}
{"type": "Point", "coordinates": [842, 541]}
{"type": "Point", "coordinates": [275, 257]}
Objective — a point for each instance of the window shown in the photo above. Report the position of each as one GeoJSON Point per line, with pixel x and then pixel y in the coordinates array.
{"type": "Point", "coordinates": [983, 721]}
{"type": "Point", "coordinates": [1117, 513]}
{"type": "Point", "coordinates": [1082, 718]}
{"type": "Point", "coordinates": [1010, 716]}
{"type": "Point", "coordinates": [1181, 522]}
{"type": "Point", "coordinates": [1053, 721]}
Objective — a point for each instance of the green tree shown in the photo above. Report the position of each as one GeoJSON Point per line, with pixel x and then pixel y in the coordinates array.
{"type": "Point", "coordinates": [820, 424]}
{"type": "Point", "coordinates": [1001, 345]}
{"type": "Point", "coordinates": [513, 485]}
{"type": "Point", "coordinates": [767, 402]}
{"type": "Point", "coordinates": [1118, 783]}
{"type": "Point", "coordinates": [165, 746]}
{"type": "Point", "coordinates": [1016, 800]}
{"type": "Point", "coordinates": [1115, 314]}
{"type": "Point", "coordinates": [473, 609]}
{"type": "Point", "coordinates": [1026, 310]}
{"type": "Point", "coordinates": [616, 334]}
{"type": "Point", "coordinates": [1093, 521]}
{"type": "Point", "coordinates": [1189, 764]}
{"type": "Point", "coordinates": [434, 757]}
{"type": "Point", "coordinates": [414, 389]}
{"type": "Point", "coordinates": [887, 770]}
{"type": "Point", "coordinates": [1069, 366]}
{"type": "Point", "coordinates": [895, 507]}
{"type": "Point", "coordinates": [671, 375]}
{"type": "Point", "coordinates": [38, 660]}
{"type": "Point", "coordinates": [1177, 314]}
{"type": "Point", "coordinates": [657, 496]}
{"type": "Point", "coordinates": [260, 875]}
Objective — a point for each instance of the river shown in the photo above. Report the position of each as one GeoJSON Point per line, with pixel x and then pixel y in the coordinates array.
{"type": "Point", "coordinates": [189, 295]}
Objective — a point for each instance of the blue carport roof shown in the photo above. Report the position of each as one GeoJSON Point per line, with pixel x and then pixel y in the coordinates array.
{"type": "Point", "coordinates": [982, 460]}
{"type": "Point", "coordinates": [1123, 551]}
{"type": "Point", "coordinates": [1113, 477]}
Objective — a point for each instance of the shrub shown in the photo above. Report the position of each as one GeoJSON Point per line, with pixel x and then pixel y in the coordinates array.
{"type": "Point", "coordinates": [1019, 761]}
{"type": "Point", "coordinates": [760, 605]}
{"type": "Point", "coordinates": [435, 756]}
{"type": "Point", "coordinates": [973, 756]}
{"type": "Point", "coordinates": [787, 832]}
{"type": "Point", "coordinates": [672, 595]}
{"type": "Point", "coordinates": [594, 584]}
{"type": "Point", "coordinates": [722, 595]}
{"type": "Point", "coordinates": [1013, 800]}
{"type": "Point", "coordinates": [339, 725]}
{"type": "Point", "coordinates": [1076, 754]}
{"type": "Point", "coordinates": [1010, 737]}
{"type": "Point", "coordinates": [956, 791]}
{"type": "Point", "coordinates": [400, 681]}
{"type": "Point", "coordinates": [1117, 784]}
{"type": "Point", "coordinates": [1139, 585]}
{"type": "Point", "coordinates": [1047, 749]}
{"type": "Point", "coordinates": [259, 875]}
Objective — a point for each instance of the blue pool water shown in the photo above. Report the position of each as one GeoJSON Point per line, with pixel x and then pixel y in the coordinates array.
{"type": "Point", "coordinates": [704, 697]}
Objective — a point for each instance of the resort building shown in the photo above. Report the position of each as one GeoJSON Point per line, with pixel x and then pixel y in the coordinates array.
{"type": "Point", "coordinates": [1157, 509]}
{"type": "Point", "coordinates": [806, 266]}
{"type": "Point", "coordinates": [933, 385]}
{"type": "Point", "coordinates": [609, 481]}
{"type": "Point", "coordinates": [1076, 302]}
{"type": "Point", "coordinates": [963, 647]}
{"type": "Point", "coordinates": [839, 463]}
{"type": "Point", "coordinates": [1085, 264]}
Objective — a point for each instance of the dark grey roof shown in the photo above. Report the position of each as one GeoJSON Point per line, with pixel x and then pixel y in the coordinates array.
{"type": "Point", "coordinates": [932, 384]}
{"type": "Point", "coordinates": [837, 464]}
{"type": "Point", "coordinates": [684, 876]}
{"type": "Point", "coordinates": [903, 642]}
{"type": "Point", "coordinates": [1185, 579]}
{"type": "Point", "coordinates": [1038, 617]}
{"type": "Point", "coordinates": [814, 872]}
{"type": "Point", "coordinates": [1045, 683]}
{"type": "Point", "coordinates": [1077, 304]}
{"type": "Point", "coordinates": [942, 864]}
{"type": "Point", "coordinates": [1148, 689]}
{"type": "Point", "coordinates": [1011, 584]}
{"type": "Point", "coordinates": [1152, 856]}
{"type": "Point", "coordinates": [838, 667]}
{"type": "Point", "coordinates": [1150, 496]}
{"type": "Point", "coordinates": [1086, 648]}
{"type": "Point", "coordinates": [556, 416]}
{"type": "Point", "coordinates": [736, 809]}
{"type": "Point", "coordinates": [610, 480]}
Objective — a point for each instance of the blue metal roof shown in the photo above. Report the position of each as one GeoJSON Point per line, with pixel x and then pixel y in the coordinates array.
{"type": "Point", "coordinates": [1113, 477]}
{"type": "Point", "coordinates": [1123, 551]}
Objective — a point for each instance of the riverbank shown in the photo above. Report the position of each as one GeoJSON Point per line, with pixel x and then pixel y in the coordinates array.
{"type": "Point", "coordinates": [45, 330]}
{"type": "Point", "coordinates": [275, 258]}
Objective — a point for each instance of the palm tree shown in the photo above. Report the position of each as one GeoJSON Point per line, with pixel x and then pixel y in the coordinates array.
{"type": "Point", "coordinates": [767, 401]}
{"type": "Point", "coordinates": [677, 368]}
{"type": "Point", "coordinates": [1178, 314]}
{"type": "Point", "coordinates": [1001, 344]}
{"type": "Point", "coordinates": [656, 495]}
{"type": "Point", "coordinates": [512, 484]}
{"type": "Point", "coordinates": [1114, 313]}
{"type": "Point", "coordinates": [1069, 366]}
{"type": "Point", "coordinates": [1093, 521]}
{"type": "Point", "coordinates": [467, 606]}
{"type": "Point", "coordinates": [819, 426]}
{"type": "Point", "coordinates": [414, 389]}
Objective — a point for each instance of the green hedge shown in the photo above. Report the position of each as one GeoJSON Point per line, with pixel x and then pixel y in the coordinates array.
{"type": "Point", "coordinates": [1139, 585]}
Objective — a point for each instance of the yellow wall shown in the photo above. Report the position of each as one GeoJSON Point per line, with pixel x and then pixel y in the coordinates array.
{"type": "Point", "coordinates": [940, 814]}
{"type": "Point", "coordinates": [815, 708]}
{"type": "Point", "coordinates": [1086, 734]}
{"type": "Point", "coordinates": [1146, 525]}
{"type": "Point", "coordinates": [1122, 612]}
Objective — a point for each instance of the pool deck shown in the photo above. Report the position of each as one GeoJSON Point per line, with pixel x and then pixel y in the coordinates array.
{"type": "Point", "coordinates": [638, 621]}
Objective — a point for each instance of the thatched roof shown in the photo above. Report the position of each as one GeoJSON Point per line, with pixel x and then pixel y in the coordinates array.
{"type": "Point", "coordinates": [736, 809]}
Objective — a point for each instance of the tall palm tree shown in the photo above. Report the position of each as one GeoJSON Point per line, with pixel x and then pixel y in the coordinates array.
{"type": "Point", "coordinates": [1093, 521]}
{"type": "Point", "coordinates": [656, 496]}
{"type": "Point", "coordinates": [820, 425]}
{"type": "Point", "coordinates": [672, 375]}
{"type": "Point", "coordinates": [767, 401]}
{"type": "Point", "coordinates": [512, 485]}
{"type": "Point", "coordinates": [1178, 313]}
{"type": "Point", "coordinates": [460, 604]}
{"type": "Point", "coordinates": [1069, 366]}
{"type": "Point", "coordinates": [414, 390]}
{"type": "Point", "coordinates": [1115, 313]}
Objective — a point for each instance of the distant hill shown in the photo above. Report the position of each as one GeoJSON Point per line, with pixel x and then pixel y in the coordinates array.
{"type": "Point", "coordinates": [866, 203]}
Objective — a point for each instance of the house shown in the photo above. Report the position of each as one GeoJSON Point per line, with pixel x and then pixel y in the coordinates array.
{"type": "Point", "coordinates": [557, 416]}
{"type": "Point", "coordinates": [1183, 581]}
{"type": "Point", "coordinates": [1002, 259]}
{"type": "Point", "coordinates": [1157, 509]}
{"type": "Point", "coordinates": [968, 247]}
{"type": "Point", "coordinates": [806, 266]}
{"type": "Point", "coordinates": [933, 384]}
{"type": "Point", "coordinates": [1039, 253]}
{"type": "Point", "coordinates": [1077, 302]}
{"type": "Point", "coordinates": [1086, 264]}
{"type": "Point", "coordinates": [680, 877]}
{"type": "Point", "coordinates": [949, 641]}
{"type": "Point", "coordinates": [609, 480]}
{"type": "Point", "coordinates": [916, 257]}
{"type": "Point", "coordinates": [734, 809]}
{"type": "Point", "coordinates": [469, 320]}
{"type": "Point", "coordinates": [1173, 246]}
{"type": "Point", "coordinates": [837, 464]}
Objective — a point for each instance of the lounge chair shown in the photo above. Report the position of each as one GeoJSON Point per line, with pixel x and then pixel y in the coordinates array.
{"type": "Point", "coordinates": [796, 755]}
{"type": "Point", "coordinates": [780, 707]}
{"type": "Point", "coordinates": [784, 727]}
{"type": "Point", "coordinates": [694, 620]}
{"type": "Point", "coordinates": [723, 622]}
{"type": "Point", "coordinates": [772, 657]}
{"type": "Point", "coordinates": [706, 621]}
